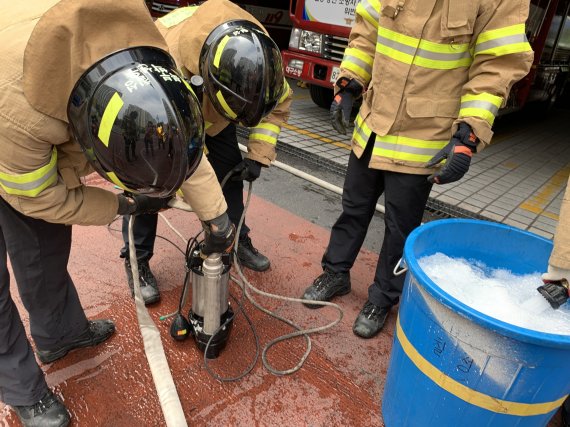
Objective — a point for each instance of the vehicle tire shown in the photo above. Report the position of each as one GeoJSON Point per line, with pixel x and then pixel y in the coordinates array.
{"type": "Point", "coordinates": [322, 96]}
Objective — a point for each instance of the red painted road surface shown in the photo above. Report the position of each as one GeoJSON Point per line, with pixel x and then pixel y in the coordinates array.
{"type": "Point", "coordinates": [110, 385]}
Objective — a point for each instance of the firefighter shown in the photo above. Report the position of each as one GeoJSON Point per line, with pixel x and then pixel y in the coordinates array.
{"type": "Point", "coordinates": [41, 194]}
{"type": "Point", "coordinates": [244, 84]}
{"type": "Point", "coordinates": [432, 75]}
{"type": "Point", "coordinates": [559, 267]}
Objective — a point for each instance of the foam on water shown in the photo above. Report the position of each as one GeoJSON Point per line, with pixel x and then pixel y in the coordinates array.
{"type": "Point", "coordinates": [497, 293]}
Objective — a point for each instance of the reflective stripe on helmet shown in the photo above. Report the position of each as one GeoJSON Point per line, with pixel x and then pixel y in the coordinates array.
{"type": "Point", "coordinates": [286, 90]}
{"type": "Point", "coordinates": [503, 41]}
{"type": "Point", "coordinates": [32, 183]}
{"type": "Point", "coordinates": [115, 180]}
{"type": "Point", "coordinates": [109, 116]}
{"type": "Point", "coordinates": [220, 50]}
{"type": "Point", "coordinates": [483, 105]}
{"type": "Point", "coordinates": [225, 105]}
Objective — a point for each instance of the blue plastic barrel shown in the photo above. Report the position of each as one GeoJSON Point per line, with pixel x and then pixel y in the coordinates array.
{"type": "Point", "coordinates": [453, 366]}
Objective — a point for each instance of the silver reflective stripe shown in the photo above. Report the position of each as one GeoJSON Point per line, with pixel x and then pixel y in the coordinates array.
{"type": "Point", "coordinates": [443, 56]}
{"type": "Point", "coordinates": [500, 42]}
{"type": "Point", "coordinates": [412, 51]}
{"type": "Point", "coordinates": [483, 105]}
{"type": "Point", "coordinates": [358, 62]}
{"type": "Point", "coordinates": [406, 148]}
{"type": "Point", "coordinates": [370, 9]}
{"type": "Point", "coordinates": [400, 47]}
{"type": "Point", "coordinates": [28, 186]}
{"type": "Point", "coordinates": [265, 132]}
{"type": "Point", "coordinates": [360, 131]}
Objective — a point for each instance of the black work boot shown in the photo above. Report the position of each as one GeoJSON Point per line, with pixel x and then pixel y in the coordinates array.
{"type": "Point", "coordinates": [370, 320]}
{"type": "Point", "coordinates": [148, 285]}
{"type": "Point", "coordinates": [326, 286]}
{"type": "Point", "coordinates": [47, 412]}
{"type": "Point", "coordinates": [250, 257]}
{"type": "Point", "coordinates": [97, 332]}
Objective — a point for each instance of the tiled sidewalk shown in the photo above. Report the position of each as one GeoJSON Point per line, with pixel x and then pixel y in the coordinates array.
{"type": "Point", "coordinates": [519, 180]}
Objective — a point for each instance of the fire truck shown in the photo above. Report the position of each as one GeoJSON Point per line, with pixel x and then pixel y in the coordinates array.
{"type": "Point", "coordinates": [275, 18]}
{"type": "Point", "coordinates": [320, 36]}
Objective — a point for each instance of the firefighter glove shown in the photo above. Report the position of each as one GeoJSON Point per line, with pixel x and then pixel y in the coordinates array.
{"type": "Point", "coordinates": [139, 204]}
{"type": "Point", "coordinates": [248, 170]}
{"type": "Point", "coordinates": [220, 235]}
{"type": "Point", "coordinates": [457, 155]}
{"type": "Point", "coordinates": [341, 106]}
{"type": "Point", "coordinates": [555, 274]}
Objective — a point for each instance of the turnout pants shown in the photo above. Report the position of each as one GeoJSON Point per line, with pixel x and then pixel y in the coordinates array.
{"type": "Point", "coordinates": [223, 154]}
{"type": "Point", "coordinates": [39, 252]}
{"type": "Point", "coordinates": [405, 199]}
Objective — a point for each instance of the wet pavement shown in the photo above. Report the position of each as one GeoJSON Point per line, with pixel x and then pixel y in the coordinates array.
{"type": "Point", "coordinates": [111, 385]}
{"type": "Point", "coordinates": [341, 383]}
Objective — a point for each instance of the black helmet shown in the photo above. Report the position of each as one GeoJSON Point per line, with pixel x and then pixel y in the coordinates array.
{"type": "Point", "coordinates": [111, 107]}
{"type": "Point", "coordinates": [242, 71]}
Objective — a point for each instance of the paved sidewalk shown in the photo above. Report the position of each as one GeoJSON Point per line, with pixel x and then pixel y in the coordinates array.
{"type": "Point", "coordinates": [519, 180]}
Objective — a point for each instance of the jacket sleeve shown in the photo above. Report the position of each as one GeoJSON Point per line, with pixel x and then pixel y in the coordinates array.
{"type": "Point", "coordinates": [203, 193]}
{"type": "Point", "coordinates": [501, 57]}
{"type": "Point", "coordinates": [263, 137]}
{"type": "Point", "coordinates": [359, 55]}
{"type": "Point", "coordinates": [34, 183]}
{"type": "Point", "coordinates": [560, 256]}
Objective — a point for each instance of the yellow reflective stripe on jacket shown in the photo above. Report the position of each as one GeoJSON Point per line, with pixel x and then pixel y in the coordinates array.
{"type": "Point", "coordinates": [225, 105]}
{"type": "Point", "coordinates": [32, 183]}
{"type": "Point", "coordinates": [395, 146]}
{"type": "Point", "coordinates": [503, 41]}
{"type": "Point", "coordinates": [358, 62]}
{"type": "Point", "coordinates": [286, 90]}
{"type": "Point", "coordinates": [361, 132]}
{"type": "Point", "coordinates": [369, 10]}
{"type": "Point", "coordinates": [265, 132]}
{"type": "Point", "coordinates": [177, 16]}
{"type": "Point", "coordinates": [404, 148]}
{"type": "Point", "coordinates": [422, 53]}
{"type": "Point", "coordinates": [483, 105]}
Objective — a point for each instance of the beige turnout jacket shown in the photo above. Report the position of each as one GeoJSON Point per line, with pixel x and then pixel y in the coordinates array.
{"type": "Point", "coordinates": [46, 45]}
{"type": "Point", "coordinates": [185, 30]}
{"type": "Point", "coordinates": [427, 65]}
{"type": "Point", "coordinates": [560, 256]}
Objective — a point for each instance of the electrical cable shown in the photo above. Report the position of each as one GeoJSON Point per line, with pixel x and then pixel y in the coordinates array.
{"type": "Point", "coordinates": [245, 287]}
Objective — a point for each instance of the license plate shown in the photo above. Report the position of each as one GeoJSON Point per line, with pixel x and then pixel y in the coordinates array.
{"type": "Point", "coordinates": [334, 74]}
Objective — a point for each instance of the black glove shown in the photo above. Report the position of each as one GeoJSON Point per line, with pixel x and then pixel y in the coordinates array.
{"type": "Point", "coordinates": [458, 153]}
{"type": "Point", "coordinates": [138, 204]}
{"type": "Point", "coordinates": [341, 106]}
{"type": "Point", "coordinates": [220, 235]}
{"type": "Point", "coordinates": [248, 170]}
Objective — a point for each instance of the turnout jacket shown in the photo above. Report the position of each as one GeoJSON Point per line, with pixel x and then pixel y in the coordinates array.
{"type": "Point", "coordinates": [428, 65]}
{"type": "Point", "coordinates": [560, 256]}
{"type": "Point", "coordinates": [185, 30]}
{"type": "Point", "coordinates": [46, 46]}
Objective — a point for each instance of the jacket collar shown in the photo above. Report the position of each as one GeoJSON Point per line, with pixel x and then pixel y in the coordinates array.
{"type": "Point", "coordinates": [73, 35]}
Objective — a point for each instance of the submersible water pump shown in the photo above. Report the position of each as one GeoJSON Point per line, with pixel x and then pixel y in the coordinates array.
{"type": "Point", "coordinates": [211, 316]}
